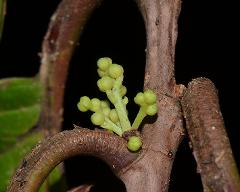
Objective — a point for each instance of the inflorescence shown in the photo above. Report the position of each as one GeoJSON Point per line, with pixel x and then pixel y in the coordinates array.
{"type": "Point", "coordinates": [116, 120]}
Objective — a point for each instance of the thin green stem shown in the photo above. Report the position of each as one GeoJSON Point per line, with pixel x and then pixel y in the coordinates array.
{"type": "Point", "coordinates": [120, 106]}
{"type": "Point", "coordinates": [108, 124]}
{"type": "Point", "coordinates": [138, 120]}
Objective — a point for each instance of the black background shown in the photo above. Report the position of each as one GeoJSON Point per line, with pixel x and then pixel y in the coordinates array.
{"type": "Point", "coordinates": [207, 46]}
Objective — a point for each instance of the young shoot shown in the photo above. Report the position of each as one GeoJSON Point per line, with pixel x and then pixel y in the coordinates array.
{"type": "Point", "coordinates": [116, 120]}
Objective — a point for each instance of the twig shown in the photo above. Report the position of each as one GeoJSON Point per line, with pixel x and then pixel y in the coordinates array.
{"type": "Point", "coordinates": [45, 156]}
{"type": "Point", "coordinates": [62, 36]}
{"type": "Point", "coordinates": [63, 33]}
{"type": "Point", "coordinates": [161, 28]}
{"type": "Point", "coordinates": [152, 170]}
{"type": "Point", "coordinates": [211, 147]}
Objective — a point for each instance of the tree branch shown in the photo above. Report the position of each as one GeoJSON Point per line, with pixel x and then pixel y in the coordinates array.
{"type": "Point", "coordinates": [160, 18]}
{"type": "Point", "coordinates": [63, 33]}
{"type": "Point", "coordinates": [66, 25]}
{"type": "Point", "coordinates": [45, 156]}
{"type": "Point", "coordinates": [211, 147]}
{"type": "Point", "coordinates": [151, 172]}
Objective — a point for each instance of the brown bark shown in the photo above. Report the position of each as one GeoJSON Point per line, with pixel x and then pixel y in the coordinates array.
{"type": "Point", "coordinates": [45, 156]}
{"type": "Point", "coordinates": [211, 147]}
{"type": "Point", "coordinates": [63, 33]}
{"type": "Point", "coordinates": [160, 18]}
{"type": "Point", "coordinates": [151, 171]}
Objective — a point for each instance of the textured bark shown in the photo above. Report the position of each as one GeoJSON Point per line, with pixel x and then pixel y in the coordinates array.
{"type": "Point", "coordinates": [45, 156]}
{"type": "Point", "coordinates": [160, 18]}
{"type": "Point", "coordinates": [151, 171]}
{"type": "Point", "coordinates": [211, 147]}
{"type": "Point", "coordinates": [63, 33]}
{"type": "Point", "coordinates": [62, 36]}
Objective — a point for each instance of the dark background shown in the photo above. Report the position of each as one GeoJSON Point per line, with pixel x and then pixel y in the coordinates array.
{"type": "Point", "coordinates": [207, 47]}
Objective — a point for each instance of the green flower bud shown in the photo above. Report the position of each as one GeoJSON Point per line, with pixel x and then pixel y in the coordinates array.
{"type": "Point", "coordinates": [150, 97]}
{"type": "Point", "coordinates": [134, 143]}
{"type": "Point", "coordinates": [97, 118]}
{"type": "Point", "coordinates": [106, 111]}
{"type": "Point", "coordinates": [123, 90]}
{"type": "Point", "coordinates": [125, 100]}
{"type": "Point", "coordinates": [95, 104]}
{"type": "Point", "coordinates": [102, 73]}
{"type": "Point", "coordinates": [104, 63]}
{"type": "Point", "coordinates": [151, 109]}
{"type": "Point", "coordinates": [105, 83]}
{"type": "Point", "coordinates": [139, 98]}
{"type": "Point", "coordinates": [113, 116]}
{"type": "Point", "coordinates": [115, 71]}
{"type": "Point", "coordinates": [105, 104]}
{"type": "Point", "coordinates": [84, 104]}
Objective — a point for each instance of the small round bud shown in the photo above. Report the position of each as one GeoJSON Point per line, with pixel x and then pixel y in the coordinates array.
{"type": "Point", "coordinates": [115, 71]}
{"type": "Point", "coordinates": [123, 90]}
{"type": "Point", "coordinates": [84, 104]}
{"type": "Point", "coordinates": [113, 116]}
{"type": "Point", "coordinates": [139, 99]}
{"type": "Point", "coordinates": [105, 104]}
{"type": "Point", "coordinates": [134, 143]}
{"type": "Point", "coordinates": [125, 100]}
{"type": "Point", "coordinates": [105, 83]}
{"type": "Point", "coordinates": [151, 109]}
{"type": "Point", "coordinates": [97, 118]}
{"type": "Point", "coordinates": [106, 111]}
{"type": "Point", "coordinates": [104, 63]}
{"type": "Point", "coordinates": [101, 73]}
{"type": "Point", "coordinates": [81, 107]}
{"type": "Point", "coordinates": [150, 97]}
{"type": "Point", "coordinates": [95, 104]}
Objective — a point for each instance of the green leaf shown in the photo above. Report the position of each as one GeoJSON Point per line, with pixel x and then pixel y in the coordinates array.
{"type": "Point", "coordinates": [20, 100]}
{"type": "Point", "coordinates": [19, 92]}
{"type": "Point", "coordinates": [20, 105]}
{"type": "Point", "coordinates": [55, 181]}
{"type": "Point", "coordinates": [16, 122]}
{"type": "Point", "coordinates": [2, 15]}
{"type": "Point", "coordinates": [11, 159]}
{"type": "Point", "coordinates": [5, 143]}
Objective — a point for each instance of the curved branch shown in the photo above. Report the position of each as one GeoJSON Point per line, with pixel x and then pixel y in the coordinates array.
{"type": "Point", "coordinates": [63, 33]}
{"type": "Point", "coordinates": [211, 147]}
{"type": "Point", "coordinates": [151, 171]}
{"type": "Point", "coordinates": [45, 156]}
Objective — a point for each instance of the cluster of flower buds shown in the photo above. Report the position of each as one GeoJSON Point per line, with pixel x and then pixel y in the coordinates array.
{"type": "Point", "coordinates": [116, 120]}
